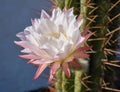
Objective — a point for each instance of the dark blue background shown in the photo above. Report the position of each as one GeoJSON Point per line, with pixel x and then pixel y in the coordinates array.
{"type": "Point", "coordinates": [15, 74]}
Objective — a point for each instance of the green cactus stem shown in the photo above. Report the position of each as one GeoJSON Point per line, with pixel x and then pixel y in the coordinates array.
{"type": "Point", "coordinates": [96, 67]}
{"type": "Point", "coordinates": [98, 71]}
{"type": "Point", "coordinates": [58, 83]}
{"type": "Point", "coordinates": [79, 73]}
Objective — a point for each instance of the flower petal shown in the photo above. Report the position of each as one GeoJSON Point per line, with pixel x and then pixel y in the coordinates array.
{"type": "Point", "coordinates": [84, 48]}
{"type": "Point", "coordinates": [32, 21]}
{"type": "Point", "coordinates": [87, 36]}
{"type": "Point", "coordinates": [66, 69]}
{"type": "Point", "coordinates": [41, 61]}
{"type": "Point", "coordinates": [29, 56]}
{"type": "Point", "coordinates": [44, 14]}
{"type": "Point", "coordinates": [53, 70]}
{"type": "Point", "coordinates": [31, 60]}
{"type": "Point", "coordinates": [33, 48]}
{"type": "Point", "coordinates": [80, 55]}
{"type": "Point", "coordinates": [21, 35]}
{"type": "Point", "coordinates": [82, 40]}
{"type": "Point", "coordinates": [85, 31]}
{"type": "Point", "coordinates": [76, 64]}
{"type": "Point", "coordinates": [70, 12]}
{"type": "Point", "coordinates": [40, 70]}
{"type": "Point", "coordinates": [50, 77]}
{"type": "Point", "coordinates": [70, 59]}
{"type": "Point", "coordinates": [78, 23]}
{"type": "Point", "coordinates": [55, 14]}
{"type": "Point", "coordinates": [55, 67]}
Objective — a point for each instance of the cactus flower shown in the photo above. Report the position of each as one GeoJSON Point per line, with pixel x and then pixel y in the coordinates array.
{"type": "Point", "coordinates": [54, 41]}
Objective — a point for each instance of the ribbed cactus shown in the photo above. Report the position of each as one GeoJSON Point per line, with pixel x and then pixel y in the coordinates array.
{"type": "Point", "coordinates": [104, 44]}
{"type": "Point", "coordinates": [101, 16]}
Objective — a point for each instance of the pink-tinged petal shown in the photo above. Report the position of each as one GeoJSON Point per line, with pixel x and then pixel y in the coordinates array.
{"type": "Point", "coordinates": [79, 23]}
{"type": "Point", "coordinates": [33, 48]}
{"type": "Point", "coordinates": [28, 62]}
{"type": "Point", "coordinates": [32, 20]}
{"type": "Point", "coordinates": [21, 43]}
{"type": "Point", "coordinates": [50, 77]}
{"type": "Point", "coordinates": [85, 31]}
{"type": "Point", "coordinates": [69, 59]}
{"type": "Point", "coordinates": [37, 62]}
{"type": "Point", "coordinates": [64, 10]}
{"type": "Point", "coordinates": [70, 12]}
{"type": "Point", "coordinates": [79, 18]}
{"type": "Point", "coordinates": [80, 42]}
{"type": "Point", "coordinates": [44, 14]}
{"type": "Point", "coordinates": [41, 61]}
{"type": "Point", "coordinates": [66, 69]}
{"type": "Point", "coordinates": [76, 64]}
{"type": "Point", "coordinates": [55, 66]}
{"type": "Point", "coordinates": [40, 70]}
{"type": "Point", "coordinates": [29, 56]}
{"type": "Point", "coordinates": [80, 55]}
{"type": "Point", "coordinates": [87, 36]}
{"type": "Point", "coordinates": [83, 48]}
{"type": "Point", "coordinates": [21, 35]}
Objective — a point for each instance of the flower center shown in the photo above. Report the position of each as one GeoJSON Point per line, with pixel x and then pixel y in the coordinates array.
{"type": "Point", "coordinates": [55, 35]}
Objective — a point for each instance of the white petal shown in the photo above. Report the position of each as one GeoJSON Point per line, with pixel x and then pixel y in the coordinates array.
{"type": "Point", "coordinates": [78, 23]}
{"type": "Point", "coordinates": [26, 50]}
{"type": "Point", "coordinates": [32, 40]}
{"type": "Point", "coordinates": [51, 50]}
{"type": "Point", "coordinates": [21, 35]}
{"type": "Point", "coordinates": [28, 30]}
{"type": "Point", "coordinates": [55, 14]}
{"type": "Point", "coordinates": [44, 14]}
{"type": "Point", "coordinates": [75, 36]}
{"type": "Point", "coordinates": [70, 12]}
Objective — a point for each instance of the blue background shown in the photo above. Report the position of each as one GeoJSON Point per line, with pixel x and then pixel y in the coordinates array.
{"type": "Point", "coordinates": [15, 74]}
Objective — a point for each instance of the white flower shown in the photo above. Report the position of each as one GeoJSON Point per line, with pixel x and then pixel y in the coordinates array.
{"type": "Point", "coordinates": [54, 41]}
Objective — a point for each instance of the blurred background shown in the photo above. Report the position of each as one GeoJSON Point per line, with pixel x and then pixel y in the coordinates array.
{"type": "Point", "coordinates": [15, 74]}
